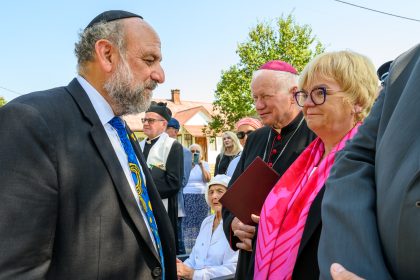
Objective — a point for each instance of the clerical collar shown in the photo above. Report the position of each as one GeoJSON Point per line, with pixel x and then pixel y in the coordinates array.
{"type": "Point", "coordinates": [290, 127]}
{"type": "Point", "coordinates": [271, 156]}
{"type": "Point", "coordinates": [152, 141]}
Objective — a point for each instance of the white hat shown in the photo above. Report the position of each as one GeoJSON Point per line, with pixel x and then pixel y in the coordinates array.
{"type": "Point", "coordinates": [219, 179]}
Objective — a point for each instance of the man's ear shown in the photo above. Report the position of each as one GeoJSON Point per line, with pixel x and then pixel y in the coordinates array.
{"type": "Point", "coordinates": [292, 94]}
{"type": "Point", "coordinates": [105, 54]}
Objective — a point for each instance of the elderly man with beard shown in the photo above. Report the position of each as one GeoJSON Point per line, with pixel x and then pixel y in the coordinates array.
{"type": "Point", "coordinates": [77, 198]}
{"type": "Point", "coordinates": [284, 136]}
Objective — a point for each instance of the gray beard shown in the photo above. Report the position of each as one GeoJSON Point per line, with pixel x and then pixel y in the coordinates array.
{"type": "Point", "coordinates": [125, 98]}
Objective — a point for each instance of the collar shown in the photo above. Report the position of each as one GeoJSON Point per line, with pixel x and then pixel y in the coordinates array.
{"type": "Point", "coordinates": [290, 127]}
{"type": "Point", "coordinates": [101, 106]}
{"type": "Point", "coordinates": [153, 140]}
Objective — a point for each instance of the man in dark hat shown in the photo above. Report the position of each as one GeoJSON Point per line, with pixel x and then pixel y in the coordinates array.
{"type": "Point", "coordinates": [172, 130]}
{"type": "Point", "coordinates": [284, 136]}
{"type": "Point", "coordinates": [77, 198]}
{"type": "Point", "coordinates": [383, 71]}
{"type": "Point", "coordinates": [165, 159]}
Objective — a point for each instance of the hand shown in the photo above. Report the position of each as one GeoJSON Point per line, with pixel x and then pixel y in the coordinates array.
{"type": "Point", "coordinates": [245, 233]}
{"type": "Point", "coordinates": [183, 271]}
{"type": "Point", "coordinates": [338, 272]}
{"type": "Point", "coordinates": [255, 218]}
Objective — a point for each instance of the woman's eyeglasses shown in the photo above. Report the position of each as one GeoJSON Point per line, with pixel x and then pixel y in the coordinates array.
{"type": "Point", "coordinates": [150, 121]}
{"type": "Point", "coordinates": [242, 134]}
{"type": "Point", "coordinates": [195, 151]}
{"type": "Point", "coordinates": [317, 95]}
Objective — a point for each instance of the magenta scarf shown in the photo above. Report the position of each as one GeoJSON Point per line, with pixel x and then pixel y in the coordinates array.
{"type": "Point", "coordinates": [286, 208]}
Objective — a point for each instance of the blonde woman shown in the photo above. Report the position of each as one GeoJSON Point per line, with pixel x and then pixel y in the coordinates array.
{"type": "Point", "coordinates": [231, 148]}
{"type": "Point", "coordinates": [337, 90]}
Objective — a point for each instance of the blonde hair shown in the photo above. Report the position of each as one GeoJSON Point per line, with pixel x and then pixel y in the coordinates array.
{"type": "Point", "coordinates": [236, 144]}
{"type": "Point", "coordinates": [354, 72]}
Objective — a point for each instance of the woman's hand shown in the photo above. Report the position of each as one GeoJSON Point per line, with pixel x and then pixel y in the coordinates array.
{"type": "Point", "coordinates": [183, 271]}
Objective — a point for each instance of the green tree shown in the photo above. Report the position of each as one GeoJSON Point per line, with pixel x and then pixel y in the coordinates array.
{"type": "Point", "coordinates": [2, 101]}
{"type": "Point", "coordinates": [286, 41]}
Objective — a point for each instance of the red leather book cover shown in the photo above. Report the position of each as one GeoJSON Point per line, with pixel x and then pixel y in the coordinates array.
{"type": "Point", "coordinates": [247, 194]}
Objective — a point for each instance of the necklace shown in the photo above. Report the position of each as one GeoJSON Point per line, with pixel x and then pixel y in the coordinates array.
{"type": "Point", "coordinates": [285, 146]}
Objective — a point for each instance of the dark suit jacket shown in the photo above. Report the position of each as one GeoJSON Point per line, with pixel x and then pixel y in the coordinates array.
{"type": "Point", "coordinates": [371, 206]}
{"type": "Point", "coordinates": [67, 211]}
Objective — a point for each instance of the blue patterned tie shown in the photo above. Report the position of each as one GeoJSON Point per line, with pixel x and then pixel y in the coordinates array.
{"type": "Point", "coordinates": [137, 175]}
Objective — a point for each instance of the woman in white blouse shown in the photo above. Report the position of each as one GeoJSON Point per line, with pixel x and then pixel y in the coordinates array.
{"type": "Point", "coordinates": [211, 255]}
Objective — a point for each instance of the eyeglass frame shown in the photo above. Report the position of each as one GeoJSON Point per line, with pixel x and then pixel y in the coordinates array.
{"type": "Point", "coordinates": [245, 133]}
{"type": "Point", "coordinates": [150, 120]}
{"type": "Point", "coordinates": [324, 90]}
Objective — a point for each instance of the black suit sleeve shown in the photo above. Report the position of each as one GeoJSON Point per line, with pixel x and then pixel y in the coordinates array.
{"type": "Point", "coordinates": [169, 182]}
{"type": "Point", "coordinates": [28, 192]}
{"type": "Point", "coordinates": [226, 214]}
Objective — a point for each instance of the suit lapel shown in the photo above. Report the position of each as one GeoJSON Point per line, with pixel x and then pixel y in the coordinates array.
{"type": "Point", "coordinates": [313, 220]}
{"type": "Point", "coordinates": [104, 146]}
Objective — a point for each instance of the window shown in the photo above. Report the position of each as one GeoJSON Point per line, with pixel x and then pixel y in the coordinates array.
{"type": "Point", "coordinates": [187, 140]}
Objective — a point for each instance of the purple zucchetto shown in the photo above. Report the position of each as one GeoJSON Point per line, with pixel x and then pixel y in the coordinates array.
{"type": "Point", "coordinates": [278, 65]}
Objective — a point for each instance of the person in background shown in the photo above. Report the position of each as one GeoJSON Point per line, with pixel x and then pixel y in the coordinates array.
{"type": "Point", "coordinates": [337, 90]}
{"type": "Point", "coordinates": [211, 256]}
{"type": "Point", "coordinates": [244, 127]}
{"type": "Point", "coordinates": [196, 208]}
{"type": "Point", "coordinates": [284, 136]}
{"type": "Point", "coordinates": [372, 198]}
{"type": "Point", "coordinates": [172, 130]}
{"type": "Point", "coordinates": [231, 148]}
{"type": "Point", "coordinates": [165, 159]}
{"type": "Point", "coordinates": [69, 206]}
{"type": "Point", "coordinates": [383, 71]}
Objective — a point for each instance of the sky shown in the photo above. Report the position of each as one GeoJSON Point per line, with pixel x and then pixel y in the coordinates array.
{"type": "Point", "coordinates": [199, 38]}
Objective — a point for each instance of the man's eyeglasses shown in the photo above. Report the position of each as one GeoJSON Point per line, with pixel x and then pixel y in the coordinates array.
{"type": "Point", "coordinates": [150, 120]}
{"type": "Point", "coordinates": [242, 134]}
{"type": "Point", "coordinates": [195, 151]}
{"type": "Point", "coordinates": [317, 95]}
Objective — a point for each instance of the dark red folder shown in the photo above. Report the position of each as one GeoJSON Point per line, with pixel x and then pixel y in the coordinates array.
{"type": "Point", "coordinates": [247, 194]}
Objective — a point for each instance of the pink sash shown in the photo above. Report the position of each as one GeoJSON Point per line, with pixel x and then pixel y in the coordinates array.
{"type": "Point", "coordinates": [286, 208]}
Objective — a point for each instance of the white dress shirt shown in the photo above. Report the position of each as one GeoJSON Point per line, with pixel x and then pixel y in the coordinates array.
{"type": "Point", "coordinates": [105, 114]}
{"type": "Point", "coordinates": [211, 255]}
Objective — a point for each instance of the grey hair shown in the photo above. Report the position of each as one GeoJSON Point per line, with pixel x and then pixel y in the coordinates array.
{"type": "Point", "coordinates": [285, 80]}
{"type": "Point", "coordinates": [197, 146]}
{"type": "Point", "coordinates": [85, 48]}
